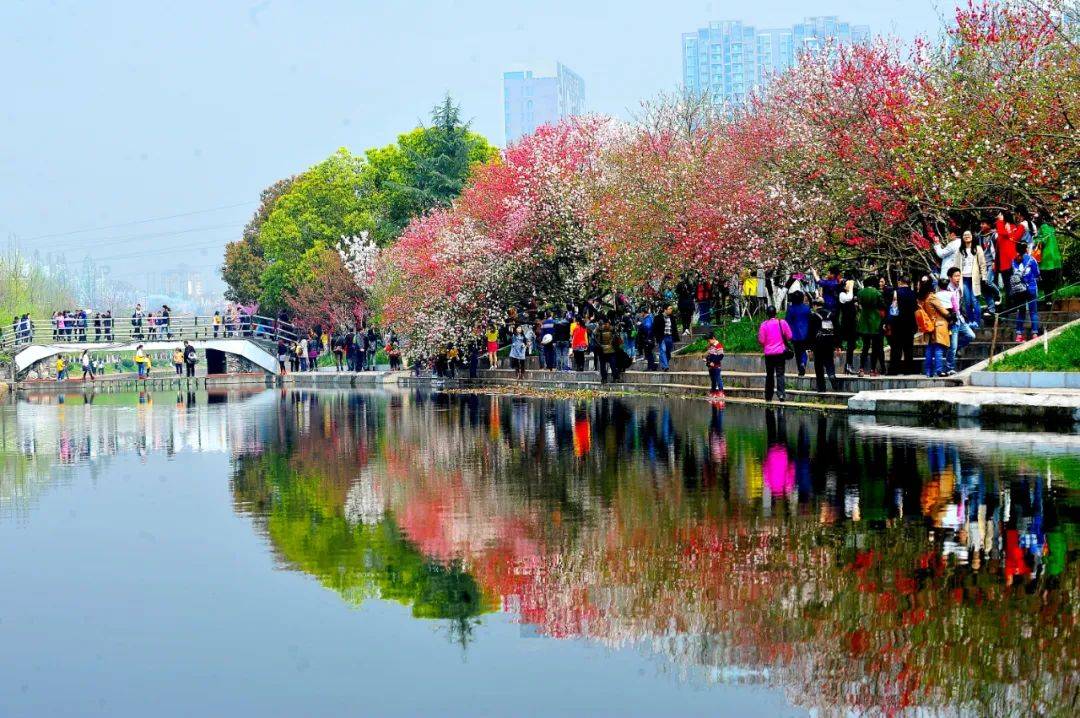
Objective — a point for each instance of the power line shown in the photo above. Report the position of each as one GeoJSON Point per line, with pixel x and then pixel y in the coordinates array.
{"type": "Point", "coordinates": [156, 251]}
{"type": "Point", "coordinates": [102, 241]}
{"type": "Point", "coordinates": [139, 221]}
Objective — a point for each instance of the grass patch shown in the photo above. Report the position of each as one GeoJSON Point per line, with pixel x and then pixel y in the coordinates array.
{"type": "Point", "coordinates": [1062, 354]}
{"type": "Point", "coordinates": [327, 359]}
{"type": "Point", "coordinates": [1071, 292]}
{"type": "Point", "coordinates": [737, 338]}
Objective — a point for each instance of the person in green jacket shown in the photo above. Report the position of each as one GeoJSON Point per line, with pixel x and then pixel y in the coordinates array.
{"type": "Point", "coordinates": [868, 325]}
{"type": "Point", "coordinates": [1050, 263]}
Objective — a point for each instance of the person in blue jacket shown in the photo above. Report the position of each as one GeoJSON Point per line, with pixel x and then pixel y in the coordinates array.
{"type": "Point", "coordinates": [1024, 290]}
{"type": "Point", "coordinates": [798, 318]}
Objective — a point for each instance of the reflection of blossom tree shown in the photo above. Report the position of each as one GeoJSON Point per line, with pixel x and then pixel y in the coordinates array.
{"type": "Point", "coordinates": [650, 536]}
{"type": "Point", "coordinates": [326, 518]}
{"type": "Point", "coordinates": [714, 583]}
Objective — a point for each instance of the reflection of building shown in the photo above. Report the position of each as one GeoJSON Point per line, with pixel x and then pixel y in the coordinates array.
{"type": "Point", "coordinates": [729, 59]}
{"type": "Point", "coordinates": [530, 102]}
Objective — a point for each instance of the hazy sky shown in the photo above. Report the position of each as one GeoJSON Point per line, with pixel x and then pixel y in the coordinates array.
{"type": "Point", "coordinates": [117, 112]}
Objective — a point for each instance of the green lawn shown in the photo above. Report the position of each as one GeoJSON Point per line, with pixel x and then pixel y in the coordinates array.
{"type": "Point", "coordinates": [327, 359]}
{"type": "Point", "coordinates": [737, 338]}
{"type": "Point", "coordinates": [1063, 355]}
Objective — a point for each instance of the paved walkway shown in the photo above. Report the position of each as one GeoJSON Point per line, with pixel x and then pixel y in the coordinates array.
{"type": "Point", "coordinates": [1054, 407]}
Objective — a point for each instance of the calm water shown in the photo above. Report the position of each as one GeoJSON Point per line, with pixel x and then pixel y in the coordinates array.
{"type": "Point", "coordinates": [324, 553]}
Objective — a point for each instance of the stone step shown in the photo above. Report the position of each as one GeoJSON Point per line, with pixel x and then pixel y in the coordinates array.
{"type": "Point", "coordinates": [846, 384]}
{"type": "Point", "coordinates": [796, 399]}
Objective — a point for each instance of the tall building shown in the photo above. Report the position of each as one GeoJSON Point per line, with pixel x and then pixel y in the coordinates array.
{"type": "Point", "coordinates": [530, 101]}
{"type": "Point", "coordinates": [729, 59]}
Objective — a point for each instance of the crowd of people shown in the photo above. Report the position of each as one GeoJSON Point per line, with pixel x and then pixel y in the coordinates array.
{"type": "Point", "coordinates": [845, 318]}
{"type": "Point", "coordinates": [940, 310]}
{"type": "Point", "coordinates": [353, 348]}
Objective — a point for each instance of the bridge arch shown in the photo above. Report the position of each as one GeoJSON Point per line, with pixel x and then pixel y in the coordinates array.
{"type": "Point", "coordinates": [249, 336]}
{"type": "Point", "coordinates": [246, 348]}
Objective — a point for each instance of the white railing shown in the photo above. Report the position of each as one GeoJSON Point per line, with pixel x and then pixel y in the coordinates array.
{"type": "Point", "coordinates": [125, 330]}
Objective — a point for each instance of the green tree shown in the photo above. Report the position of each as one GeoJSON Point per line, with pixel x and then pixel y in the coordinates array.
{"type": "Point", "coordinates": [26, 287]}
{"type": "Point", "coordinates": [242, 271]}
{"type": "Point", "coordinates": [426, 168]}
{"type": "Point", "coordinates": [380, 192]}
{"type": "Point", "coordinates": [244, 260]}
{"type": "Point", "coordinates": [322, 205]}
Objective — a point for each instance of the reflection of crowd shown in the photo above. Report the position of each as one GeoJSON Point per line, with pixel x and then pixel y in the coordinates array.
{"type": "Point", "coordinates": [758, 539]}
{"type": "Point", "coordinates": [1010, 525]}
{"type": "Point", "coordinates": [979, 513]}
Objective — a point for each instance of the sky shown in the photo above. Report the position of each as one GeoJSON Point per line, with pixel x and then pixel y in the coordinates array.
{"type": "Point", "coordinates": [118, 114]}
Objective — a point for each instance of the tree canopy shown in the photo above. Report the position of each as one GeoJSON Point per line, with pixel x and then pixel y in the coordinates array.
{"type": "Point", "coordinates": [303, 218]}
{"type": "Point", "coordinates": [424, 169]}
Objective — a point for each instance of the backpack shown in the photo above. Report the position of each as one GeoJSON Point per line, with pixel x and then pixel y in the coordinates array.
{"type": "Point", "coordinates": [923, 321]}
{"type": "Point", "coordinates": [1017, 285]}
{"type": "Point", "coordinates": [827, 329]}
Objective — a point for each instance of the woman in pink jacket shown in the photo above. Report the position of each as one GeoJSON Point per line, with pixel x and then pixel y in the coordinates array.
{"type": "Point", "coordinates": [773, 335]}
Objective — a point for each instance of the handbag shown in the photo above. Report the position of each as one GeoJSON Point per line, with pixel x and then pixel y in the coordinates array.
{"type": "Point", "coordinates": [789, 349]}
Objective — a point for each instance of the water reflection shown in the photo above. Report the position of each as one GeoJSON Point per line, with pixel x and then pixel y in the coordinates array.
{"type": "Point", "coordinates": [857, 571]}
{"type": "Point", "coordinates": [861, 568]}
{"type": "Point", "coordinates": [44, 433]}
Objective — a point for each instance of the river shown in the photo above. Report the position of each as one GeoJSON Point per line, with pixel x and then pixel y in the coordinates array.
{"type": "Point", "coordinates": [407, 553]}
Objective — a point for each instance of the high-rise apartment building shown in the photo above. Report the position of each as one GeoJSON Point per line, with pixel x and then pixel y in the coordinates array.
{"type": "Point", "coordinates": [530, 101]}
{"type": "Point", "coordinates": [729, 59]}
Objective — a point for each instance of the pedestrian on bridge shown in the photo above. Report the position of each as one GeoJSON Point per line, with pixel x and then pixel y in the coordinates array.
{"type": "Point", "coordinates": [372, 341]}
{"type": "Point", "coordinates": [338, 345]}
{"type": "Point", "coordinates": [191, 358]}
{"type": "Point", "coordinates": [302, 353]}
{"type": "Point", "coordinates": [87, 365]}
{"type": "Point", "coordinates": [142, 362]}
{"type": "Point", "coordinates": [178, 360]}
{"type": "Point", "coordinates": [282, 356]}
{"type": "Point", "coordinates": [314, 348]}
{"type": "Point", "coordinates": [137, 321]}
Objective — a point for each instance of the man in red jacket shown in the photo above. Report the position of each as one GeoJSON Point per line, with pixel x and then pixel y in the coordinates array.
{"type": "Point", "coordinates": [1008, 234]}
{"type": "Point", "coordinates": [704, 301]}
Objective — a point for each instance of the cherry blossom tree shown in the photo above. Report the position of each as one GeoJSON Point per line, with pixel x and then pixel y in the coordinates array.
{"type": "Point", "coordinates": [852, 155]}
{"type": "Point", "coordinates": [521, 230]}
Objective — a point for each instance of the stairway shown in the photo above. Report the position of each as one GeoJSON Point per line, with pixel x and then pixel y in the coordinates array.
{"type": "Point", "coordinates": [740, 387]}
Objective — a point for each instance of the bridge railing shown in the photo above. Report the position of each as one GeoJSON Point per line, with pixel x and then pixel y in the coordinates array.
{"type": "Point", "coordinates": [125, 330]}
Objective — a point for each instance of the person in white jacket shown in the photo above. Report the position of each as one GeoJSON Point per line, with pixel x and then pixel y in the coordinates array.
{"type": "Point", "coordinates": [949, 253]}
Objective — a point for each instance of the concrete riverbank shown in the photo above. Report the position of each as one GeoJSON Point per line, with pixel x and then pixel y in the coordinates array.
{"type": "Point", "coordinates": [1034, 408]}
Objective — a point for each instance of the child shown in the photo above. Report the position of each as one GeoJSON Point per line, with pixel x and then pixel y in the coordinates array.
{"type": "Point", "coordinates": [1024, 290]}
{"type": "Point", "coordinates": [178, 361]}
{"type": "Point", "coordinates": [142, 362]}
{"type": "Point", "coordinates": [492, 337]}
{"type": "Point", "coordinates": [61, 367]}
{"type": "Point", "coordinates": [713, 359]}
